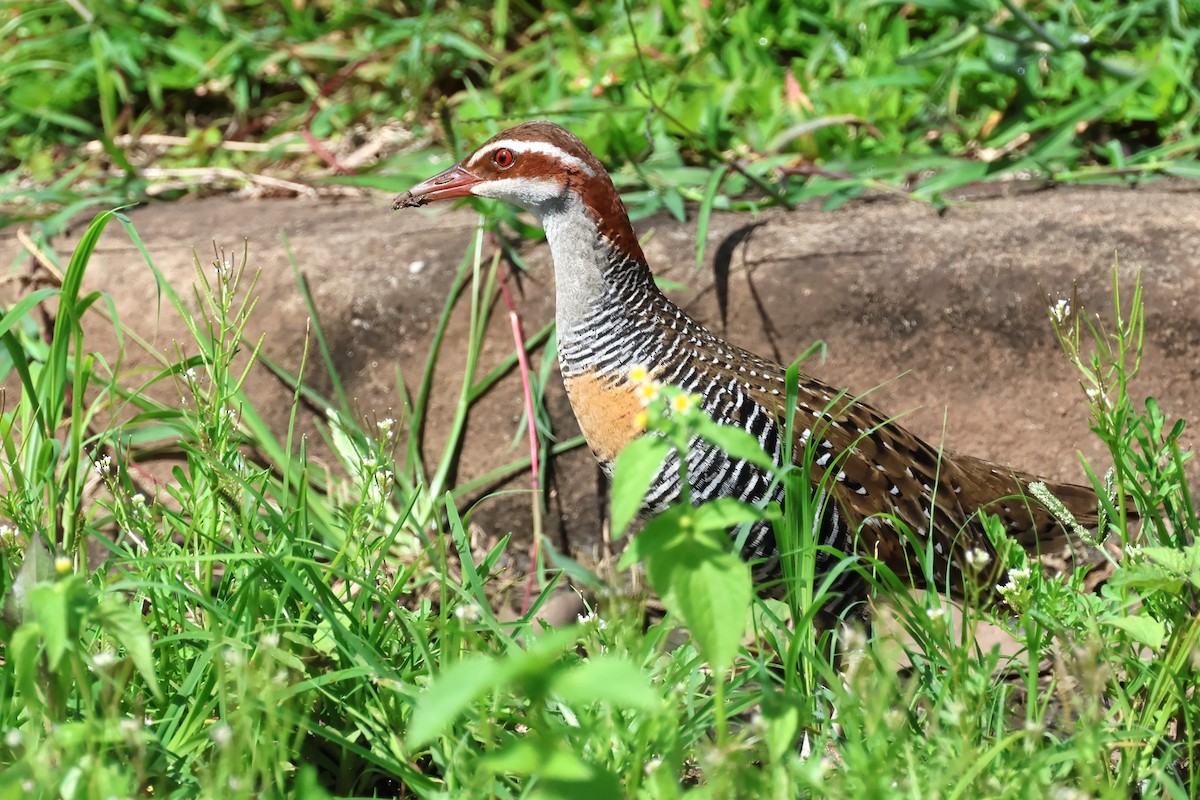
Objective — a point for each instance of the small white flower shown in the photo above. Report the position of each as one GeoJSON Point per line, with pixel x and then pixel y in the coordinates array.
{"type": "Point", "coordinates": [1060, 311]}
{"type": "Point", "coordinates": [592, 617]}
{"type": "Point", "coordinates": [854, 638]}
{"type": "Point", "coordinates": [1098, 396]}
{"type": "Point", "coordinates": [139, 500]}
{"type": "Point", "coordinates": [978, 558]}
{"type": "Point", "coordinates": [386, 426]}
{"type": "Point", "coordinates": [189, 376]}
{"type": "Point", "coordinates": [103, 465]}
{"type": "Point", "coordinates": [13, 739]}
{"type": "Point", "coordinates": [221, 734]}
{"type": "Point", "coordinates": [467, 612]}
{"type": "Point", "coordinates": [269, 640]}
{"type": "Point", "coordinates": [233, 658]}
{"type": "Point", "coordinates": [104, 659]}
{"type": "Point", "coordinates": [7, 534]}
{"type": "Point", "coordinates": [1018, 592]}
{"type": "Point", "coordinates": [935, 612]}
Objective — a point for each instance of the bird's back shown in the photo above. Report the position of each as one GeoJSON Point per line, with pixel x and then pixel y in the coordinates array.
{"type": "Point", "coordinates": [891, 496]}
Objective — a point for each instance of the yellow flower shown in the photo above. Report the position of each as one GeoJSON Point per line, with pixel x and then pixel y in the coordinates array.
{"type": "Point", "coordinates": [641, 420]}
{"type": "Point", "coordinates": [648, 392]}
{"type": "Point", "coordinates": [682, 403]}
{"type": "Point", "coordinates": [638, 373]}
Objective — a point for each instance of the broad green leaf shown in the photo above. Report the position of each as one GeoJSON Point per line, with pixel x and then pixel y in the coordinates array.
{"type": "Point", "coordinates": [735, 441]}
{"type": "Point", "coordinates": [1144, 630]}
{"type": "Point", "coordinates": [36, 569]}
{"type": "Point", "coordinates": [601, 785]}
{"type": "Point", "coordinates": [455, 688]}
{"type": "Point", "coordinates": [611, 679]}
{"type": "Point", "coordinates": [658, 534]}
{"type": "Point", "coordinates": [725, 513]}
{"type": "Point", "coordinates": [52, 609]}
{"type": "Point", "coordinates": [24, 653]}
{"type": "Point", "coordinates": [636, 467]}
{"type": "Point", "coordinates": [125, 625]}
{"type": "Point", "coordinates": [1184, 563]}
{"type": "Point", "coordinates": [1147, 578]}
{"type": "Point", "coordinates": [519, 757]}
{"type": "Point", "coordinates": [562, 774]}
{"type": "Point", "coordinates": [782, 714]}
{"type": "Point", "coordinates": [710, 590]}
{"type": "Point", "coordinates": [535, 755]}
{"type": "Point", "coordinates": [450, 694]}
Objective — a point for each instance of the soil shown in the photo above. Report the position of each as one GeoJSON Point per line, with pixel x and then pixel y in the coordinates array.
{"type": "Point", "coordinates": [941, 317]}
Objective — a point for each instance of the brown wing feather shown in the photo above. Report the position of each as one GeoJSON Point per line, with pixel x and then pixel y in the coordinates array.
{"type": "Point", "coordinates": [887, 472]}
{"type": "Point", "coordinates": [886, 479]}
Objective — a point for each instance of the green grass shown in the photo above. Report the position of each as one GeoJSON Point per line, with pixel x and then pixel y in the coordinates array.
{"type": "Point", "coordinates": [266, 624]}
{"type": "Point", "coordinates": [274, 628]}
{"type": "Point", "coordinates": [727, 105]}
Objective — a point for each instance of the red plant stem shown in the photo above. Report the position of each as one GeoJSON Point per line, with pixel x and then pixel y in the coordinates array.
{"type": "Point", "coordinates": [514, 320]}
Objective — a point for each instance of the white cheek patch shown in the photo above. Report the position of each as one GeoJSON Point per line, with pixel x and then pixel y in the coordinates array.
{"type": "Point", "coordinates": [527, 192]}
{"type": "Point", "coordinates": [545, 148]}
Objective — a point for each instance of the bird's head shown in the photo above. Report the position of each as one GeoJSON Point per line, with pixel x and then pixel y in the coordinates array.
{"type": "Point", "coordinates": [546, 169]}
{"type": "Point", "coordinates": [535, 166]}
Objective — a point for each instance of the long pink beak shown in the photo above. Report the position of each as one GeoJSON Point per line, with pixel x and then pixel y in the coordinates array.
{"type": "Point", "coordinates": [454, 182]}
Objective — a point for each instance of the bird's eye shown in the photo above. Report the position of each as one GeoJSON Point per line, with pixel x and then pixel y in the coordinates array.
{"type": "Point", "coordinates": [504, 158]}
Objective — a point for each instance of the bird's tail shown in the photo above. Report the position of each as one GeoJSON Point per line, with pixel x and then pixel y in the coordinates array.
{"type": "Point", "coordinates": [1041, 515]}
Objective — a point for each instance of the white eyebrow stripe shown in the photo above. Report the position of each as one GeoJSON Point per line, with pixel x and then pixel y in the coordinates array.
{"type": "Point", "coordinates": [545, 148]}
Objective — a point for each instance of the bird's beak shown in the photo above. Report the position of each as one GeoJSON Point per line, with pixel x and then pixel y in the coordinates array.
{"type": "Point", "coordinates": [454, 182]}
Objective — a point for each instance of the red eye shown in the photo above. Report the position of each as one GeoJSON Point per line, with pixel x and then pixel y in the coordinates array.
{"type": "Point", "coordinates": [504, 158]}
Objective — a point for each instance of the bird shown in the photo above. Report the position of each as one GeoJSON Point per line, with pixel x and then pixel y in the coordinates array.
{"type": "Point", "coordinates": [883, 492]}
